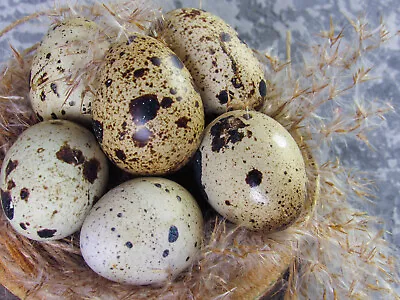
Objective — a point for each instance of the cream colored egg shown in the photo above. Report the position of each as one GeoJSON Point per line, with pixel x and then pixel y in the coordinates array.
{"type": "Point", "coordinates": [252, 171]}
{"type": "Point", "coordinates": [50, 178]}
{"type": "Point", "coordinates": [147, 116]}
{"type": "Point", "coordinates": [59, 77]}
{"type": "Point", "coordinates": [144, 231]}
{"type": "Point", "coordinates": [224, 68]}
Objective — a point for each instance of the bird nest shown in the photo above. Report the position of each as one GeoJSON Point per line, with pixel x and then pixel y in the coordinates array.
{"type": "Point", "coordinates": [332, 250]}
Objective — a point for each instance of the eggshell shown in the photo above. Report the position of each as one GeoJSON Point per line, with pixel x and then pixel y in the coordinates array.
{"type": "Point", "coordinates": [59, 77]}
{"type": "Point", "coordinates": [144, 231]}
{"type": "Point", "coordinates": [50, 178]}
{"type": "Point", "coordinates": [252, 171]}
{"type": "Point", "coordinates": [147, 116]}
{"type": "Point", "coordinates": [224, 68]}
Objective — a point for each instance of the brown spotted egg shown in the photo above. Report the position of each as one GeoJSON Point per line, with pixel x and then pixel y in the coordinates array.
{"type": "Point", "coordinates": [224, 68]}
{"type": "Point", "coordinates": [59, 88]}
{"type": "Point", "coordinates": [252, 171]}
{"type": "Point", "coordinates": [50, 178]}
{"type": "Point", "coordinates": [144, 231]}
{"type": "Point", "coordinates": [147, 116]}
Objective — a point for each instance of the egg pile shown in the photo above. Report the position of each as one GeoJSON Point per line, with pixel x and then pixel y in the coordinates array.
{"type": "Point", "coordinates": [146, 112]}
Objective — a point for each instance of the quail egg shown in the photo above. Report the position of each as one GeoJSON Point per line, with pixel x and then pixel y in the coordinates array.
{"type": "Point", "coordinates": [224, 68]}
{"type": "Point", "coordinates": [59, 83]}
{"type": "Point", "coordinates": [252, 171]}
{"type": "Point", "coordinates": [50, 178]}
{"type": "Point", "coordinates": [144, 231]}
{"type": "Point", "coordinates": [147, 115]}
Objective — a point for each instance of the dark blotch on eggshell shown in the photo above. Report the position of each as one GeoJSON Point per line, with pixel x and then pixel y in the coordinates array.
{"type": "Point", "coordinates": [53, 87]}
{"type": "Point", "coordinates": [140, 72]}
{"type": "Point", "coordinates": [142, 136]}
{"type": "Point", "coordinates": [24, 194]}
{"type": "Point", "coordinates": [129, 245]}
{"type": "Point", "coordinates": [262, 88]}
{"type": "Point", "coordinates": [182, 122]}
{"type": "Point", "coordinates": [120, 154]}
{"type": "Point", "coordinates": [54, 116]}
{"type": "Point", "coordinates": [70, 156]}
{"type": "Point", "coordinates": [165, 253]}
{"type": "Point", "coordinates": [225, 131]}
{"type": "Point", "coordinates": [98, 130]}
{"type": "Point", "coordinates": [23, 226]}
{"type": "Point", "coordinates": [173, 234]}
{"type": "Point", "coordinates": [46, 233]}
{"type": "Point", "coordinates": [11, 165]}
{"type": "Point", "coordinates": [235, 136]}
{"type": "Point", "coordinates": [43, 96]}
{"type": "Point", "coordinates": [166, 102]}
{"type": "Point", "coordinates": [225, 37]}
{"type": "Point", "coordinates": [176, 62]}
{"type": "Point", "coordinates": [144, 108]}
{"type": "Point", "coordinates": [155, 61]}
{"type": "Point", "coordinates": [108, 82]}
{"type": "Point", "coordinates": [91, 169]}
{"type": "Point", "coordinates": [254, 178]}
{"type": "Point", "coordinates": [223, 97]}
{"type": "Point", "coordinates": [6, 201]}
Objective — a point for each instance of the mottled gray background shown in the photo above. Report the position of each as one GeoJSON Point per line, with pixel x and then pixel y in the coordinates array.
{"type": "Point", "coordinates": [263, 25]}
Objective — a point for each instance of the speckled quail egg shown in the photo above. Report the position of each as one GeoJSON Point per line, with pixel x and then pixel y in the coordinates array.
{"type": "Point", "coordinates": [144, 231]}
{"type": "Point", "coordinates": [252, 171]}
{"type": "Point", "coordinates": [224, 68]}
{"type": "Point", "coordinates": [147, 116]}
{"type": "Point", "coordinates": [50, 178]}
{"type": "Point", "coordinates": [59, 80]}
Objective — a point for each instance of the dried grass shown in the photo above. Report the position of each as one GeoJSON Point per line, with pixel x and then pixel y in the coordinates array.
{"type": "Point", "coordinates": [333, 251]}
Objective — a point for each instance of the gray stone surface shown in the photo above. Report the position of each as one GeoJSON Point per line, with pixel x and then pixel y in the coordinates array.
{"type": "Point", "coordinates": [263, 25]}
